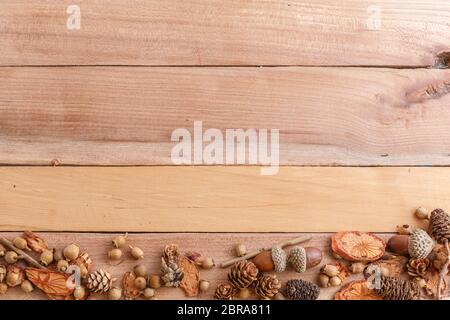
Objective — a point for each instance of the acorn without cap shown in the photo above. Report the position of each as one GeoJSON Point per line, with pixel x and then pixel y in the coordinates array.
{"type": "Point", "coordinates": [418, 244]}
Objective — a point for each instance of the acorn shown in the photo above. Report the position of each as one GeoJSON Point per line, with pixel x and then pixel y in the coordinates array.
{"type": "Point", "coordinates": [20, 243]}
{"type": "Point", "coordinates": [79, 293]}
{"type": "Point", "coordinates": [304, 258]}
{"type": "Point", "coordinates": [71, 252]}
{"type": "Point", "coordinates": [115, 293]}
{"type": "Point", "coordinates": [11, 257]}
{"type": "Point", "coordinates": [208, 263]}
{"type": "Point", "coordinates": [62, 265]}
{"type": "Point", "coordinates": [335, 281]}
{"type": "Point", "coordinates": [148, 293]}
{"type": "Point", "coordinates": [330, 270]}
{"type": "Point", "coordinates": [140, 270]}
{"type": "Point", "coordinates": [136, 253]}
{"type": "Point", "coordinates": [46, 258]}
{"type": "Point", "coordinates": [204, 286]}
{"type": "Point", "coordinates": [140, 283]}
{"type": "Point", "coordinates": [3, 288]}
{"type": "Point", "coordinates": [154, 281]}
{"type": "Point", "coordinates": [2, 250]}
{"type": "Point", "coordinates": [115, 254]}
{"type": "Point", "coordinates": [418, 244]}
{"type": "Point", "coordinates": [240, 250]}
{"type": "Point", "coordinates": [273, 260]}
{"type": "Point", "coordinates": [120, 241]}
{"type": "Point", "coordinates": [27, 286]}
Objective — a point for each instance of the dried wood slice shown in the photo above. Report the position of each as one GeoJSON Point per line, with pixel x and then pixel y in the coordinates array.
{"type": "Point", "coordinates": [130, 291]}
{"type": "Point", "coordinates": [356, 290]}
{"type": "Point", "coordinates": [52, 283]}
{"type": "Point", "coordinates": [191, 279]}
{"type": "Point", "coordinates": [358, 246]}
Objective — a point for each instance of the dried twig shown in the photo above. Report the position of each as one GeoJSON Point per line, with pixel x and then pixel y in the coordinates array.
{"type": "Point", "coordinates": [255, 253]}
{"type": "Point", "coordinates": [21, 253]}
{"type": "Point", "coordinates": [443, 271]}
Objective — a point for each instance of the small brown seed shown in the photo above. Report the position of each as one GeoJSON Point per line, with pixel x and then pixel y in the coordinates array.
{"type": "Point", "coordinates": [71, 252]}
{"type": "Point", "coordinates": [240, 250]}
{"type": "Point", "coordinates": [46, 257]}
{"type": "Point", "coordinates": [140, 283]}
{"type": "Point", "coordinates": [20, 243]}
{"type": "Point", "coordinates": [154, 281]}
{"type": "Point", "coordinates": [330, 270]}
{"type": "Point", "coordinates": [335, 281]}
{"type": "Point", "coordinates": [120, 241]}
{"type": "Point", "coordinates": [27, 286]}
{"type": "Point", "coordinates": [140, 270]}
{"type": "Point", "coordinates": [11, 257]}
{"type": "Point", "coordinates": [149, 293]}
{"type": "Point", "coordinates": [244, 293]}
{"type": "Point", "coordinates": [422, 213]}
{"type": "Point", "coordinates": [204, 286]}
{"type": "Point", "coordinates": [115, 254]}
{"type": "Point", "coordinates": [79, 293]}
{"type": "Point", "coordinates": [208, 263]}
{"type": "Point", "coordinates": [137, 253]}
{"type": "Point", "coordinates": [62, 265]}
{"type": "Point", "coordinates": [115, 293]}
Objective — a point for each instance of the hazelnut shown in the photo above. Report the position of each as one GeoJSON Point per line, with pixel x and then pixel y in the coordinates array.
{"type": "Point", "coordinates": [422, 213]}
{"type": "Point", "coordinates": [357, 267]}
{"type": "Point", "coordinates": [398, 244]}
{"type": "Point", "coordinates": [11, 257]}
{"type": "Point", "coordinates": [137, 253]}
{"type": "Point", "coordinates": [208, 263]}
{"type": "Point", "coordinates": [149, 293]}
{"type": "Point", "coordinates": [140, 283]}
{"type": "Point", "coordinates": [244, 293]}
{"type": "Point", "coordinates": [240, 250]}
{"type": "Point", "coordinates": [115, 293]}
{"type": "Point", "coordinates": [154, 281]}
{"type": "Point", "coordinates": [46, 257]}
{"type": "Point", "coordinates": [120, 241]}
{"type": "Point", "coordinates": [20, 243]}
{"type": "Point", "coordinates": [335, 281]}
{"type": "Point", "coordinates": [79, 293]}
{"type": "Point", "coordinates": [71, 252]}
{"type": "Point", "coordinates": [140, 270]}
{"type": "Point", "coordinates": [115, 254]}
{"type": "Point", "coordinates": [3, 288]}
{"type": "Point", "coordinates": [324, 280]}
{"type": "Point", "coordinates": [330, 270]}
{"type": "Point", "coordinates": [204, 286]}
{"type": "Point", "coordinates": [62, 265]}
{"type": "Point", "coordinates": [27, 286]}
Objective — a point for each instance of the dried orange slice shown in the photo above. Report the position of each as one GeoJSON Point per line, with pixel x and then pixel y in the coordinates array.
{"type": "Point", "coordinates": [358, 246]}
{"type": "Point", "coordinates": [356, 290]}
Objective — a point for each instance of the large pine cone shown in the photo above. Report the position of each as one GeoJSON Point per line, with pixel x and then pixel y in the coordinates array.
{"type": "Point", "coordinates": [440, 225]}
{"type": "Point", "coordinates": [243, 274]}
{"type": "Point", "coordinates": [299, 289]}
{"type": "Point", "coordinates": [267, 286]}
{"type": "Point", "coordinates": [418, 267]}
{"type": "Point", "coordinates": [224, 291]}
{"type": "Point", "coordinates": [99, 281]}
{"type": "Point", "coordinates": [171, 273]}
{"type": "Point", "coordinates": [397, 289]}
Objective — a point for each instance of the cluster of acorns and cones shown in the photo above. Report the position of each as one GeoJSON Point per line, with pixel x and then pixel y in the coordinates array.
{"type": "Point", "coordinates": [412, 264]}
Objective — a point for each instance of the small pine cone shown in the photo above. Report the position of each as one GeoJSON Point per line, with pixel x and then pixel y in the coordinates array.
{"type": "Point", "coordinates": [299, 289]}
{"type": "Point", "coordinates": [2, 273]}
{"type": "Point", "coordinates": [171, 254]}
{"type": "Point", "coordinates": [397, 289]}
{"type": "Point", "coordinates": [171, 274]}
{"type": "Point", "coordinates": [279, 258]}
{"type": "Point", "coordinates": [297, 259]}
{"type": "Point", "coordinates": [418, 268]}
{"type": "Point", "coordinates": [243, 274]}
{"type": "Point", "coordinates": [440, 225]}
{"type": "Point", "coordinates": [224, 291]}
{"type": "Point", "coordinates": [267, 286]}
{"type": "Point", "coordinates": [99, 281]}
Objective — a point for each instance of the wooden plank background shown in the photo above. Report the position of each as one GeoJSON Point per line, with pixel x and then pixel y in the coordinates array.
{"type": "Point", "coordinates": [233, 32]}
{"type": "Point", "coordinates": [125, 116]}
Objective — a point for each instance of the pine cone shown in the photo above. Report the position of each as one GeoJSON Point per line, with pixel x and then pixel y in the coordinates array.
{"type": "Point", "coordinates": [299, 289]}
{"type": "Point", "coordinates": [440, 258]}
{"type": "Point", "coordinates": [440, 225]}
{"type": "Point", "coordinates": [397, 289]}
{"type": "Point", "coordinates": [171, 254]}
{"type": "Point", "coordinates": [224, 291]}
{"type": "Point", "coordinates": [243, 274]}
{"type": "Point", "coordinates": [2, 273]}
{"type": "Point", "coordinates": [418, 267]}
{"type": "Point", "coordinates": [99, 281]}
{"type": "Point", "coordinates": [267, 286]}
{"type": "Point", "coordinates": [171, 273]}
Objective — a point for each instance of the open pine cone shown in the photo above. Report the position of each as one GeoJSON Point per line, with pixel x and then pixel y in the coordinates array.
{"type": "Point", "coordinates": [224, 291]}
{"type": "Point", "coordinates": [243, 274]}
{"type": "Point", "coordinates": [440, 225]}
{"type": "Point", "coordinates": [418, 268]}
{"type": "Point", "coordinates": [99, 281]}
{"type": "Point", "coordinates": [267, 286]}
{"type": "Point", "coordinates": [398, 289]}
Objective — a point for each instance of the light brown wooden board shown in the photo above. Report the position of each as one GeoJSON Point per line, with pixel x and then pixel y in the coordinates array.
{"type": "Point", "coordinates": [218, 246]}
{"type": "Point", "coordinates": [125, 116]}
{"type": "Point", "coordinates": [233, 32]}
{"type": "Point", "coordinates": [213, 199]}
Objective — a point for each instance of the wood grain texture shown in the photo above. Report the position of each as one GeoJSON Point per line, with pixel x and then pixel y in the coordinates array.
{"type": "Point", "coordinates": [218, 246]}
{"type": "Point", "coordinates": [217, 199]}
{"type": "Point", "coordinates": [125, 116]}
{"type": "Point", "coordinates": [234, 32]}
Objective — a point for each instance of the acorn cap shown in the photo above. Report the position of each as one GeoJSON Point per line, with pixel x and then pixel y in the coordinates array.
{"type": "Point", "coordinates": [297, 259]}
{"type": "Point", "coordinates": [420, 244]}
{"type": "Point", "coordinates": [279, 258]}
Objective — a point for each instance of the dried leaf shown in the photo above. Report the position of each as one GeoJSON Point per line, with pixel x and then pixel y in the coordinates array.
{"type": "Point", "coordinates": [358, 246]}
{"type": "Point", "coordinates": [51, 282]}
{"type": "Point", "coordinates": [357, 290]}
{"type": "Point", "coordinates": [343, 271]}
{"type": "Point", "coordinates": [431, 279]}
{"type": "Point", "coordinates": [191, 279]}
{"type": "Point", "coordinates": [36, 243]}
{"type": "Point", "coordinates": [130, 291]}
